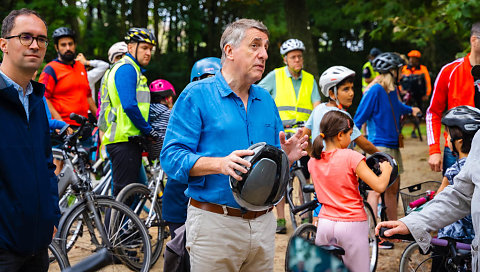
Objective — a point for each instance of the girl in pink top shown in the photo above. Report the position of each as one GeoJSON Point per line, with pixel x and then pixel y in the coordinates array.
{"type": "Point", "coordinates": [335, 172]}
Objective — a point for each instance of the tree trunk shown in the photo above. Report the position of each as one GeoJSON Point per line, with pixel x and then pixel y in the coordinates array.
{"type": "Point", "coordinates": [298, 27]}
{"type": "Point", "coordinates": [156, 21]}
{"type": "Point", "coordinates": [140, 13]}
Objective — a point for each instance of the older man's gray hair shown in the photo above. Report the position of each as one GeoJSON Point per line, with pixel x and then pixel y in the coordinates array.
{"type": "Point", "coordinates": [235, 32]}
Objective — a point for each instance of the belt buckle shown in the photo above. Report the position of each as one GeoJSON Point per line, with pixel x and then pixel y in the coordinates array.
{"type": "Point", "coordinates": [225, 211]}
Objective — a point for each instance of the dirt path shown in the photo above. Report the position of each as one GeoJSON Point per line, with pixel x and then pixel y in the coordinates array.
{"type": "Point", "coordinates": [416, 170]}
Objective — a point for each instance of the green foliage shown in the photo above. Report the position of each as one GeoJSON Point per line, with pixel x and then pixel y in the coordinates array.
{"type": "Point", "coordinates": [343, 31]}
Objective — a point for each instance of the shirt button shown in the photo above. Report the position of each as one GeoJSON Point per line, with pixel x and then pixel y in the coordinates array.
{"type": "Point", "coordinates": [251, 142]}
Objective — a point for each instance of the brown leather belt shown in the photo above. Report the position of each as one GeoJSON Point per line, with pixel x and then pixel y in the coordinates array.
{"type": "Point", "coordinates": [215, 208]}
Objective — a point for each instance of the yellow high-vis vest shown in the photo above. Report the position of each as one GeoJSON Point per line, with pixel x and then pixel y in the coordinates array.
{"type": "Point", "coordinates": [291, 108]}
{"type": "Point", "coordinates": [119, 126]}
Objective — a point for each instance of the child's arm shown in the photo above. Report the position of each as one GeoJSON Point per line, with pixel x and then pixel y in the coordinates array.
{"type": "Point", "coordinates": [377, 183]}
{"type": "Point", "coordinates": [445, 183]}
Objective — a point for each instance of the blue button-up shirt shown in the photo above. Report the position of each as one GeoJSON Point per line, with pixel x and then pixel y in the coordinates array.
{"type": "Point", "coordinates": [23, 98]}
{"type": "Point", "coordinates": [210, 120]}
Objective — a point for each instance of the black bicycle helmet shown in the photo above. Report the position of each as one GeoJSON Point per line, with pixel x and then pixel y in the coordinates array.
{"type": "Point", "coordinates": [265, 183]}
{"type": "Point", "coordinates": [466, 118]}
{"type": "Point", "coordinates": [62, 32]}
{"type": "Point", "coordinates": [385, 62]}
{"type": "Point", "coordinates": [374, 160]}
{"type": "Point", "coordinates": [136, 35]}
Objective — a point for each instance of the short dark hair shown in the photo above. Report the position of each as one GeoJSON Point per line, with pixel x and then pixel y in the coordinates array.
{"type": "Point", "coordinates": [475, 29]}
{"type": "Point", "coordinates": [457, 134]}
{"type": "Point", "coordinates": [9, 22]}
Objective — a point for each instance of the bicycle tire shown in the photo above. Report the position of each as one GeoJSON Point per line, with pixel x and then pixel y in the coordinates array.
{"type": "Point", "coordinates": [372, 238]}
{"type": "Point", "coordinates": [126, 232]}
{"type": "Point", "coordinates": [412, 259]}
{"type": "Point", "coordinates": [298, 197]}
{"type": "Point", "coordinates": [56, 258]}
{"type": "Point", "coordinates": [139, 193]}
{"type": "Point", "coordinates": [307, 231]}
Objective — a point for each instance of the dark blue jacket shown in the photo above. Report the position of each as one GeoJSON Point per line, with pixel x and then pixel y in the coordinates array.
{"type": "Point", "coordinates": [28, 185]}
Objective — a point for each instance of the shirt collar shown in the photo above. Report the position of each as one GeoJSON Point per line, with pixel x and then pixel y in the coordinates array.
{"type": "Point", "coordinates": [290, 75]}
{"type": "Point", "coordinates": [225, 89]}
{"type": "Point", "coordinates": [143, 70]}
{"type": "Point", "coordinates": [10, 82]}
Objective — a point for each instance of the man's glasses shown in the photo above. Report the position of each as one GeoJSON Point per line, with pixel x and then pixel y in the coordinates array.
{"type": "Point", "coordinates": [27, 39]}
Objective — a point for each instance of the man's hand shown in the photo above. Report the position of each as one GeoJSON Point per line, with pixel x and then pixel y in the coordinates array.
{"type": "Point", "coordinates": [233, 162]}
{"type": "Point", "coordinates": [81, 58]}
{"type": "Point", "coordinates": [395, 227]}
{"type": "Point", "coordinates": [415, 111]}
{"type": "Point", "coordinates": [435, 161]}
{"type": "Point", "coordinates": [54, 231]}
{"type": "Point", "coordinates": [295, 146]}
{"type": "Point", "coordinates": [153, 136]}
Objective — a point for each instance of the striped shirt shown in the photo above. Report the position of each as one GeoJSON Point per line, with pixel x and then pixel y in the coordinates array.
{"type": "Point", "coordinates": [158, 118]}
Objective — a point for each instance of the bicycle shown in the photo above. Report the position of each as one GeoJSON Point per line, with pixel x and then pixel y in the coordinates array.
{"type": "Point", "coordinates": [455, 256]}
{"type": "Point", "coordinates": [294, 193]}
{"type": "Point", "coordinates": [108, 223]}
{"type": "Point", "coordinates": [308, 231]}
{"type": "Point", "coordinates": [146, 202]}
{"type": "Point", "coordinates": [57, 260]}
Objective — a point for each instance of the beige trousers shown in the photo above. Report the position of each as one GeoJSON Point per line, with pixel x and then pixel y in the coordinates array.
{"type": "Point", "coordinates": [222, 243]}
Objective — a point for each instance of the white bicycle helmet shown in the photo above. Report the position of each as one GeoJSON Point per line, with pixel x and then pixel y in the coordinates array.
{"type": "Point", "coordinates": [331, 77]}
{"type": "Point", "coordinates": [116, 49]}
{"type": "Point", "coordinates": [290, 45]}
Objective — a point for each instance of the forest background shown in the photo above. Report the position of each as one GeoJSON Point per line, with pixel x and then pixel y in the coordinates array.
{"type": "Point", "coordinates": [335, 32]}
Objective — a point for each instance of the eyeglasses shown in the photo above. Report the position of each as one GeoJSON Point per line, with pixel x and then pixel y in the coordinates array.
{"type": "Point", "coordinates": [299, 57]}
{"type": "Point", "coordinates": [27, 39]}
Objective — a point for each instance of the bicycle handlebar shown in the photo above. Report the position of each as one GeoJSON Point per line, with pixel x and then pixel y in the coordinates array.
{"type": "Point", "coordinates": [309, 206]}
{"type": "Point", "coordinates": [407, 237]}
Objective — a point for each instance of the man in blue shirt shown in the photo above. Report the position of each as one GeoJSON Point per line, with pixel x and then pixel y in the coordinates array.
{"type": "Point", "coordinates": [212, 124]}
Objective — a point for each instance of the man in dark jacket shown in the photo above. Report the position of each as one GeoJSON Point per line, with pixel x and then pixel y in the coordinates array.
{"type": "Point", "coordinates": [28, 186]}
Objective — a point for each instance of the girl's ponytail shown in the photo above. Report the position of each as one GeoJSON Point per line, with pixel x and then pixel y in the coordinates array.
{"type": "Point", "coordinates": [318, 146]}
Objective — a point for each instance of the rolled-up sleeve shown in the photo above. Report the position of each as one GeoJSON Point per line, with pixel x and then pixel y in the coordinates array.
{"type": "Point", "coordinates": [182, 137]}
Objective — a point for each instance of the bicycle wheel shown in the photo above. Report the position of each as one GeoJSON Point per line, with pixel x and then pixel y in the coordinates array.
{"type": "Point", "coordinates": [298, 197]}
{"type": "Point", "coordinates": [414, 260]}
{"type": "Point", "coordinates": [307, 231]}
{"type": "Point", "coordinates": [58, 261]}
{"type": "Point", "coordinates": [139, 198]}
{"type": "Point", "coordinates": [372, 239]}
{"type": "Point", "coordinates": [126, 233]}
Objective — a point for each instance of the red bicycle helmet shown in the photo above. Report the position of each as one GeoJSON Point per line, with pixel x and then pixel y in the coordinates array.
{"type": "Point", "coordinates": [162, 88]}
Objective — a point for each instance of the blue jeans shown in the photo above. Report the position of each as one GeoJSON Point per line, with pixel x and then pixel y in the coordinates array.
{"type": "Point", "coordinates": [448, 159]}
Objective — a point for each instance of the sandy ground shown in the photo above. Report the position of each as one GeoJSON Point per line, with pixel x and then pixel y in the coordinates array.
{"type": "Point", "coordinates": [415, 156]}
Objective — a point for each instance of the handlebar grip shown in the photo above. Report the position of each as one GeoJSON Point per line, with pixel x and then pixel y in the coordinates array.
{"type": "Point", "coordinates": [78, 118]}
{"type": "Point", "coordinates": [309, 205]}
{"type": "Point", "coordinates": [94, 262]}
{"type": "Point", "coordinates": [417, 202]}
{"type": "Point", "coordinates": [407, 237]}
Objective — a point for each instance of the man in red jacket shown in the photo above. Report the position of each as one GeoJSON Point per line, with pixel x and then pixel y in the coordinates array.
{"type": "Point", "coordinates": [453, 87]}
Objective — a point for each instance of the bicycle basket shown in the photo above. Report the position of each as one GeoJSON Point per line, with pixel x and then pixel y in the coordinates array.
{"type": "Point", "coordinates": [414, 192]}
